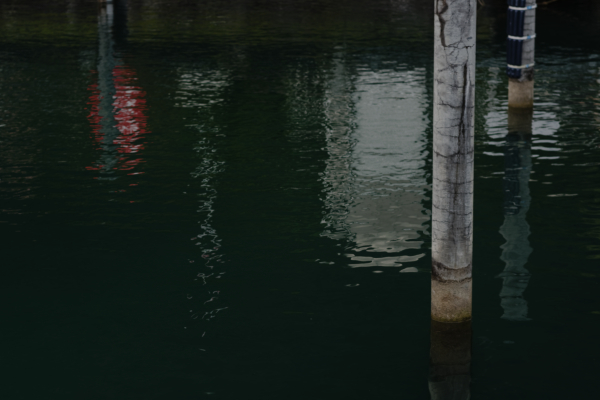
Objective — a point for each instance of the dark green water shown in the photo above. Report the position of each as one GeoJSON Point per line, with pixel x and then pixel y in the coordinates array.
{"type": "Point", "coordinates": [221, 200]}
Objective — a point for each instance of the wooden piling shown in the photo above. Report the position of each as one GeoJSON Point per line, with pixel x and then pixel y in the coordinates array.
{"type": "Point", "coordinates": [453, 145]}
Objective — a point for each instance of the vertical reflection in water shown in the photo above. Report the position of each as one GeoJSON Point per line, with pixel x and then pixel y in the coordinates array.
{"type": "Point", "coordinates": [338, 177]}
{"type": "Point", "coordinates": [450, 361]}
{"type": "Point", "coordinates": [515, 229]}
{"type": "Point", "coordinates": [208, 241]}
{"type": "Point", "coordinates": [71, 11]}
{"type": "Point", "coordinates": [201, 89]}
{"type": "Point", "coordinates": [117, 105]}
{"type": "Point", "coordinates": [102, 115]}
{"type": "Point", "coordinates": [390, 165]}
{"type": "Point", "coordinates": [375, 178]}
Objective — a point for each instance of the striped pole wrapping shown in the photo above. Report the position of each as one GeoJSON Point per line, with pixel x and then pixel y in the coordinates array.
{"type": "Point", "coordinates": [521, 38]}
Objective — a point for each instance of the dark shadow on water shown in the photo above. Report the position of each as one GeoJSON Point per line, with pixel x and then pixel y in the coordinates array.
{"type": "Point", "coordinates": [450, 361]}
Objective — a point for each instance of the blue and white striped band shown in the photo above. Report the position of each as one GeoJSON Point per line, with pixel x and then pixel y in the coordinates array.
{"type": "Point", "coordinates": [521, 37]}
{"type": "Point", "coordinates": [520, 66]}
{"type": "Point", "coordinates": [522, 8]}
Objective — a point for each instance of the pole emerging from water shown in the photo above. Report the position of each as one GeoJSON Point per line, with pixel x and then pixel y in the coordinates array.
{"type": "Point", "coordinates": [453, 129]}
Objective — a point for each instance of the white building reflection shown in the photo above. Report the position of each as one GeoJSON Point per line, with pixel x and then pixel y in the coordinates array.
{"type": "Point", "coordinates": [375, 182]}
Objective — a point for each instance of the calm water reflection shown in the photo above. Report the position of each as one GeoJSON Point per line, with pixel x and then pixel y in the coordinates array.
{"type": "Point", "coordinates": [216, 199]}
{"type": "Point", "coordinates": [117, 106]}
{"type": "Point", "coordinates": [515, 229]}
{"type": "Point", "coordinates": [450, 361]}
{"type": "Point", "coordinates": [377, 150]}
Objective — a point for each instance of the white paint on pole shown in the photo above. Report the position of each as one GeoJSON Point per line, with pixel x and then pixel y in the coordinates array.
{"type": "Point", "coordinates": [453, 128]}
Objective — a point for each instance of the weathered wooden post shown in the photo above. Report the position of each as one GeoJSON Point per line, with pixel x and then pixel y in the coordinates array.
{"type": "Point", "coordinates": [453, 120]}
{"type": "Point", "coordinates": [520, 52]}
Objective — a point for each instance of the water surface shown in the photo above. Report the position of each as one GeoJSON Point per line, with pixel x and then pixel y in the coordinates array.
{"type": "Point", "coordinates": [232, 200]}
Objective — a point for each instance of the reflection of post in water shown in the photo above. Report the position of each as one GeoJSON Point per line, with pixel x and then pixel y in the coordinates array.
{"type": "Point", "coordinates": [106, 130]}
{"type": "Point", "coordinates": [338, 176]}
{"type": "Point", "coordinates": [515, 229]}
{"type": "Point", "coordinates": [116, 105]}
{"type": "Point", "coordinates": [450, 361]}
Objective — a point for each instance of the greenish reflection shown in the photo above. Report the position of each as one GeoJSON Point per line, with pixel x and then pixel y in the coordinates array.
{"type": "Point", "coordinates": [515, 229]}
{"type": "Point", "coordinates": [117, 104]}
{"type": "Point", "coordinates": [267, 121]}
{"type": "Point", "coordinates": [103, 107]}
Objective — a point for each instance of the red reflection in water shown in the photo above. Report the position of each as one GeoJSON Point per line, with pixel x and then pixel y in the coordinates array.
{"type": "Point", "coordinates": [131, 122]}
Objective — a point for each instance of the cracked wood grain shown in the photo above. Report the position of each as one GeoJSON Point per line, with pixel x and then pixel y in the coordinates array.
{"type": "Point", "coordinates": [453, 157]}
